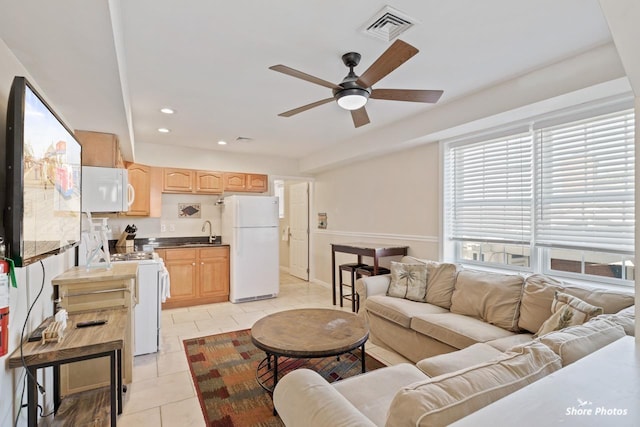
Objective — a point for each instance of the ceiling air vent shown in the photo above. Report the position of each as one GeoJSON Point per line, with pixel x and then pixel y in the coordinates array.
{"type": "Point", "coordinates": [388, 24]}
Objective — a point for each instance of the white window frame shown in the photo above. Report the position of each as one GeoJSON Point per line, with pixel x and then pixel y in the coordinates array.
{"type": "Point", "coordinates": [539, 256]}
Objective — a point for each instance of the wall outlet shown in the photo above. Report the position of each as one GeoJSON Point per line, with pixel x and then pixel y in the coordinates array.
{"type": "Point", "coordinates": [163, 228]}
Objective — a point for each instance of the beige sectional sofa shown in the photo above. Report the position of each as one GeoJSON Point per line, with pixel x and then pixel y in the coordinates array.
{"type": "Point", "coordinates": [470, 307]}
{"type": "Point", "coordinates": [471, 337]}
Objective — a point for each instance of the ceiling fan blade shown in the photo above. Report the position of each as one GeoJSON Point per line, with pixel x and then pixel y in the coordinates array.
{"type": "Point", "coordinates": [304, 76]}
{"type": "Point", "coordinates": [305, 107]}
{"type": "Point", "coordinates": [410, 95]}
{"type": "Point", "coordinates": [397, 54]}
{"type": "Point", "coordinates": [360, 117]}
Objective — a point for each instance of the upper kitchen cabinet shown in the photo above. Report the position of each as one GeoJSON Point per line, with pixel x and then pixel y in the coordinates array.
{"type": "Point", "coordinates": [245, 182]}
{"type": "Point", "coordinates": [209, 182]}
{"type": "Point", "coordinates": [257, 183]}
{"type": "Point", "coordinates": [191, 181]}
{"type": "Point", "coordinates": [234, 181]}
{"type": "Point", "coordinates": [177, 180]}
{"type": "Point", "coordinates": [146, 182]}
{"type": "Point", "coordinates": [100, 149]}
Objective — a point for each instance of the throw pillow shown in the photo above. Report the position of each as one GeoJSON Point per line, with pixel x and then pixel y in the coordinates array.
{"type": "Point", "coordinates": [408, 281]}
{"type": "Point", "coordinates": [567, 311]}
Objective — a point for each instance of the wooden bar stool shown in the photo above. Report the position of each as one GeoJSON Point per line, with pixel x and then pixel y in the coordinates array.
{"type": "Point", "coordinates": [351, 269]}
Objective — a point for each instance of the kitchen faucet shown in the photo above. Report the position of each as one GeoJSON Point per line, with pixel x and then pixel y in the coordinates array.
{"type": "Point", "coordinates": [212, 237]}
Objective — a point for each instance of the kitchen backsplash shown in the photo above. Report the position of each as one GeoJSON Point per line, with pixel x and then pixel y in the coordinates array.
{"type": "Point", "coordinates": [179, 218]}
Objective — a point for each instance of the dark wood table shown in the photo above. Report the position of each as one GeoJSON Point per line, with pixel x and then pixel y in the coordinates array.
{"type": "Point", "coordinates": [374, 250]}
{"type": "Point", "coordinates": [78, 344]}
{"type": "Point", "coordinates": [307, 333]}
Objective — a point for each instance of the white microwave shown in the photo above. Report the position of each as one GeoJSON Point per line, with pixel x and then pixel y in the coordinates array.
{"type": "Point", "coordinates": [106, 190]}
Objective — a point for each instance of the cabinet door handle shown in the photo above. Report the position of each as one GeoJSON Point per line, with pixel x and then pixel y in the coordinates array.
{"type": "Point", "coordinates": [202, 263]}
{"type": "Point", "coordinates": [193, 263]}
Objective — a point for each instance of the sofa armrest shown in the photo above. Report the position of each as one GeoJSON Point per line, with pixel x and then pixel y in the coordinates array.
{"type": "Point", "coordinates": [372, 285]}
{"type": "Point", "coordinates": [304, 398]}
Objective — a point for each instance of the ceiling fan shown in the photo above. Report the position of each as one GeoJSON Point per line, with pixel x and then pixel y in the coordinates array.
{"type": "Point", "coordinates": [354, 91]}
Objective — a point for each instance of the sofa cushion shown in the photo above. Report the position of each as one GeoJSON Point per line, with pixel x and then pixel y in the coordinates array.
{"type": "Point", "coordinates": [399, 310]}
{"type": "Point", "coordinates": [461, 359]}
{"type": "Point", "coordinates": [456, 330]}
{"type": "Point", "coordinates": [575, 342]}
{"type": "Point", "coordinates": [567, 311]}
{"type": "Point", "coordinates": [304, 394]}
{"type": "Point", "coordinates": [539, 291]}
{"type": "Point", "coordinates": [444, 399]}
{"type": "Point", "coordinates": [373, 392]}
{"type": "Point", "coordinates": [625, 318]}
{"type": "Point", "coordinates": [503, 344]}
{"type": "Point", "coordinates": [441, 280]}
{"type": "Point", "coordinates": [408, 281]}
{"type": "Point", "coordinates": [537, 297]}
{"type": "Point", "coordinates": [492, 297]}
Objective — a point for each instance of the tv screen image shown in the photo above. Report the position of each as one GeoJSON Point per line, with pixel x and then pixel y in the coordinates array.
{"type": "Point", "coordinates": [43, 178]}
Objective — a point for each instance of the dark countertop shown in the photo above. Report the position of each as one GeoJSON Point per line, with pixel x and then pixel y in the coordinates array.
{"type": "Point", "coordinates": [173, 242]}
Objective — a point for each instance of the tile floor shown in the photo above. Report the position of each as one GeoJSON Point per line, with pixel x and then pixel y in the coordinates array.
{"type": "Point", "coordinates": [162, 392]}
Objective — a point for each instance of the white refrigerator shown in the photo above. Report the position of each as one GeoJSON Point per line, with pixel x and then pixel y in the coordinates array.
{"type": "Point", "coordinates": [250, 227]}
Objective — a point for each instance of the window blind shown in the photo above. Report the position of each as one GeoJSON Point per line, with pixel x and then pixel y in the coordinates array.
{"type": "Point", "coordinates": [585, 184]}
{"type": "Point", "coordinates": [490, 190]}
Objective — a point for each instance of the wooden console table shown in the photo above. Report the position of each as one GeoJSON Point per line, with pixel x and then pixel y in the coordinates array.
{"type": "Point", "coordinates": [78, 344]}
{"type": "Point", "coordinates": [374, 250]}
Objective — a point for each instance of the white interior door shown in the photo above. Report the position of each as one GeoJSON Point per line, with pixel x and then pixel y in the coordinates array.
{"type": "Point", "coordinates": [299, 229]}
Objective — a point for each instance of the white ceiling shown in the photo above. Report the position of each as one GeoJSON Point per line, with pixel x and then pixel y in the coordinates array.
{"type": "Point", "coordinates": [110, 66]}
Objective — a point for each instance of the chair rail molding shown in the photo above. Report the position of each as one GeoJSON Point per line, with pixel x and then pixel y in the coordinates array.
{"type": "Point", "coordinates": [385, 236]}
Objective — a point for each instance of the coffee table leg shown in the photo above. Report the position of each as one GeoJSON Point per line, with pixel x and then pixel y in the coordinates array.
{"type": "Point", "coordinates": [362, 357]}
{"type": "Point", "coordinates": [275, 380]}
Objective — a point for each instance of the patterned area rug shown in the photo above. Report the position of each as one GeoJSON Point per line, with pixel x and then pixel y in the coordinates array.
{"type": "Point", "coordinates": [223, 368]}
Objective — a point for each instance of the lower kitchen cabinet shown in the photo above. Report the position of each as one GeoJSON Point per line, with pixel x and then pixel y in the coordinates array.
{"type": "Point", "coordinates": [198, 276]}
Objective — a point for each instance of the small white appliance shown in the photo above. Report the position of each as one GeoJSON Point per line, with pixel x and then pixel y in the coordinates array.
{"type": "Point", "coordinates": [106, 190]}
{"type": "Point", "coordinates": [148, 296]}
{"type": "Point", "coordinates": [148, 310]}
{"type": "Point", "coordinates": [250, 227]}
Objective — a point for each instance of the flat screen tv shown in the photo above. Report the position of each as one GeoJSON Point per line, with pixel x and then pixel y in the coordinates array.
{"type": "Point", "coordinates": [43, 171]}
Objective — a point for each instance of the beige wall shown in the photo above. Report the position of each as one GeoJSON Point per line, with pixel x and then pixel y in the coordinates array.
{"type": "Point", "coordinates": [391, 199]}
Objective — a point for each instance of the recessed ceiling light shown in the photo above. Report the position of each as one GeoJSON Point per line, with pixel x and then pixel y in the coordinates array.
{"type": "Point", "coordinates": [167, 110]}
{"type": "Point", "coordinates": [164, 130]}
{"type": "Point", "coordinates": [221, 142]}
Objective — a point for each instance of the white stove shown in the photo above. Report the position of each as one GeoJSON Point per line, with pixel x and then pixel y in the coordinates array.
{"type": "Point", "coordinates": [149, 299]}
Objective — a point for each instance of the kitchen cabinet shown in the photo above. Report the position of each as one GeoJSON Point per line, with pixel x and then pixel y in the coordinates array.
{"type": "Point", "coordinates": [100, 149]}
{"type": "Point", "coordinates": [245, 182]}
{"type": "Point", "coordinates": [191, 181]}
{"type": "Point", "coordinates": [177, 180]}
{"type": "Point", "coordinates": [198, 276]}
{"type": "Point", "coordinates": [146, 182]}
{"type": "Point", "coordinates": [257, 183]}
{"type": "Point", "coordinates": [209, 182]}
{"type": "Point", "coordinates": [83, 291]}
{"type": "Point", "coordinates": [214, 273]}
{"type": "Point", "coordinates": [234, 181]}
{"type": "Point", "coordinates": [181, 265]}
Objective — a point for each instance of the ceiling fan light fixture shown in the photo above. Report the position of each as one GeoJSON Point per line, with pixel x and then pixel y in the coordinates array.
{"type": "Point", "coordinates": [352, 99]}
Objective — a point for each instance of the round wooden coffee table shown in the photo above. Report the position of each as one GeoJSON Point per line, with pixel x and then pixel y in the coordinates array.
{"type": "Point", "coordinates": [306, 333]}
